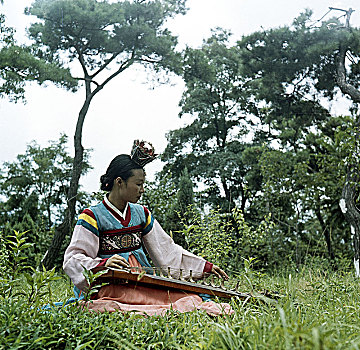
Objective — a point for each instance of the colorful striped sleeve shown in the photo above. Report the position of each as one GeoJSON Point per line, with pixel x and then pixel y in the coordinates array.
{"type": "Point", "coordinates": [149, 221]}
{"type": "Point", "coordinates": [87, 219]}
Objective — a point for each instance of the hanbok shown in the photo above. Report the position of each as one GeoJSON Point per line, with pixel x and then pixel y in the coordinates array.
{"type": "Point", "coordinates": [102, 231]}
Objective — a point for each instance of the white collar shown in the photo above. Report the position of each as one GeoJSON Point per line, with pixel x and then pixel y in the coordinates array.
{"type": "Point", "coordinates": [116, 210]}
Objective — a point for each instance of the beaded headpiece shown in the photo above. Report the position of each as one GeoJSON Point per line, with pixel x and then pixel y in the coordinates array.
{"type": "Point", "coordinates": [142, 152]}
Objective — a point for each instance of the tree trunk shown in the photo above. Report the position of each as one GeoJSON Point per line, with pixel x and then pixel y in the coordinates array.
{"type": "Point", "coordinates": [326, 232]}
{"type": "Point", "coordinates": [351, 212]}
{"type": "Point", "coordinates": [66, 227]}
{"type": "Point", "coordinates": [350, 190]}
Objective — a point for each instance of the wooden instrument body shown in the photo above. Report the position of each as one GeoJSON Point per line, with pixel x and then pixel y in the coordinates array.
{"type": "Point", "coordinates": [141, 278]}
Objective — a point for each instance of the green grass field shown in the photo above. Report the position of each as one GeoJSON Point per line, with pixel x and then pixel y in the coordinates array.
{"type": "Point", "coordinates": [317, 310]}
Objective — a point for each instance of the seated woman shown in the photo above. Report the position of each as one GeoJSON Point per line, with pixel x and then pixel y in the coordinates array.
{"type": "Point", "coordinates": [114, 233]}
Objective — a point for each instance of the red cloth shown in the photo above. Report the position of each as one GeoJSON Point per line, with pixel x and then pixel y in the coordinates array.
{"type": "Point", "coordinates": [102, 262]}
{"type": "Point", "coordinates": [208, 267]}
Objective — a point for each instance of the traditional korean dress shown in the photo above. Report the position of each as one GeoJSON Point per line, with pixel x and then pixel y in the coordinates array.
{"type": "Point", "coordinates": [102, 231]}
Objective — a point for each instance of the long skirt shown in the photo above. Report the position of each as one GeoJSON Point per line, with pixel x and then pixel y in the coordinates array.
{"type": "Point", "coordinates": [151, 301]}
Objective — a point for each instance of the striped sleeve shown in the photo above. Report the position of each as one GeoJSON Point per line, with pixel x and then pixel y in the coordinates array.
{"type": "Point", "coordinates": [87, 219]}
{"type": "Point", "coordinates": [149, 221]}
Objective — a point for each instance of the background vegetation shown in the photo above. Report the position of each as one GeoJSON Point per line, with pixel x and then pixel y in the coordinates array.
{"type": "Point", "coordinates": [253, 182]}
{"type": "Point", "coordinates": [260, 145]}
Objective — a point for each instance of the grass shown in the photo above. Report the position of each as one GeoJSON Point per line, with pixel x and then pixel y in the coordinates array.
{"type": "Point", "coordinates": [317, 310]}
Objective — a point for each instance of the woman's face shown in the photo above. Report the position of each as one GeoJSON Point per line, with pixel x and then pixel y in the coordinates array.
{"type": "Point", "coordinates": [132, 189]}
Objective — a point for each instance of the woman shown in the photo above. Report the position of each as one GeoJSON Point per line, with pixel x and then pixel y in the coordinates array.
{"type": "Point", "coordinates": [114, 233]}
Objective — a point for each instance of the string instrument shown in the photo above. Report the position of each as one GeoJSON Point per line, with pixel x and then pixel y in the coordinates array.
{"type": "Point", "coordinates": [155, 277]}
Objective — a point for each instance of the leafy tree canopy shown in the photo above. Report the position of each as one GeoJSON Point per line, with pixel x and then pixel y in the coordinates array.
{"type": "Point", "coordinates": [19, 64]}
{"type": "Point", "coordinates": [212, 146]}
{"type": "Point", "coordinates": [294, 69]}
{"type": "Point", "coordinates": [36, 183]}
{"type": "Point", "coordinates": [99, 33]}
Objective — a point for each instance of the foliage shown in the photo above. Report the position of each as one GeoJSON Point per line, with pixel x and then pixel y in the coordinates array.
{"type": "Point", "coordinates": [37, 182]}
{"type": "Point", "coordinates": [34, 193]}
{"type": "Point", "coordinates": [159, 197]}
{"type": "Point", "coordinates": [36, 233]}
{"type": "Point", "coordinates": [185, 194]}
{"type": "Point", "coordinates": [270, 89]}
{"type": "Point", "coordinates": [105, 39]}
{"type": "Point", "coordinates": [262, 243]}
{"type": "Point", "coordinates": [38, 282]}
{"type": "Point", "coordinates": [315, 309]}
{"type": "Point", "coordinates": [302, 188]}
{"type": "Point", "coordinates": [15, 268]}
{"type": "Point", "coordinates": [17, 244]}
{"type": "Point", "coordinates": [98, 33]}
{"type": "Point", "coordinates": [294, 69]}
{"type": "Point", "coordinates": [168, 201]}
{"type": "Point", "coordinates": [209, 236]}
{"type": "Point", "coordinates": [19, 64]}
{"type": "Point", "coordinates": [94, 285]}
{"type": "Point", "coordinates": [212, 146]}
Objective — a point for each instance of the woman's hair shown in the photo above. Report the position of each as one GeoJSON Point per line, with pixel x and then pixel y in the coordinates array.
{"type": "Point", "coordinates": [121, 166]}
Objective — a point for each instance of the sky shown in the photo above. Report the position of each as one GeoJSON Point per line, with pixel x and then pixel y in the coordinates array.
{"type": "Point", "coordinates": [130, 107]}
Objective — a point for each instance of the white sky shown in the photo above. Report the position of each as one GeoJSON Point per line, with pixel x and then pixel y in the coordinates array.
{"type": "Point", "coordinates": [127, 108]}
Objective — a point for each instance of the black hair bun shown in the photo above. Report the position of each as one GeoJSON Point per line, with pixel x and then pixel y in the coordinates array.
{"type": "Point", "coordinates": [105, 183]}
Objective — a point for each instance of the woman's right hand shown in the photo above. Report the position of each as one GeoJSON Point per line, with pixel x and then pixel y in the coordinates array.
{"type": "Point", "coordinates": [219, 273]}
{"type": "Point", "coordinates": [117, 262]}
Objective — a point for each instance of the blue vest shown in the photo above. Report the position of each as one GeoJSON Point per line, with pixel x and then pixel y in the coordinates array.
{"type": "Point", "coordinates": [119, 236]}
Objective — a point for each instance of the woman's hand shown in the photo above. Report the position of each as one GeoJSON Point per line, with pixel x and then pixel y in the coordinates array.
{"type": "Point", "coordinates": [219, 273]}
{"type": "Point", "coordinates": [117, 262]}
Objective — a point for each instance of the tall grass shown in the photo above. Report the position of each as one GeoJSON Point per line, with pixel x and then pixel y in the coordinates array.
{"type": "Point", "coordinates": [316, 310]}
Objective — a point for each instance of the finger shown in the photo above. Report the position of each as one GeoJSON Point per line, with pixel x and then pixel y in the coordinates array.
{"type": "Point", "coordinates": [220, 273]}
{"type": "Point", "coordinates": [224, 275]}
{"type": "Point", "coordinates": [216, 273]}
{"type": "Point", "coordinates": [117, 266]}
{"type": "Point", "coordinates": [116, 261]}
{"type": "Point", "coordinates": [120, 260]}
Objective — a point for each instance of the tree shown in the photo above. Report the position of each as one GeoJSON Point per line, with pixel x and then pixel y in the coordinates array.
{"type": "Point", "coordinates": [19, 64]}
{"type": "Point", "coordinates": [33, 189]}
{"type": "Point", "coordinates": [296, 68]}
{"type": "Point", "coordinates": [212, 146]}
{"type": "Point", "coordinates": [160, 197]}
{"type": "Point", "coordinates": [348, 81]}
{"type": "Point", "coordinates": [302, 189]}
{"type": "Point", "coordinates": [185, 194]}
{"type": "Point", "coordinates": [177, 214]}
{"type": "Point", "coordinates": [36, 183]}
{"type": "Point", "coordinates": [105, 39]}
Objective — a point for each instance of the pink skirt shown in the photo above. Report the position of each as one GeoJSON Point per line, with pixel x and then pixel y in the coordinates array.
{"type": "Point", "coordinates": [151, 301]}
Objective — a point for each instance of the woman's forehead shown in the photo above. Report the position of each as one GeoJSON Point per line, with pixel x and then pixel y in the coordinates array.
{"type": "Point", "coordinates": [138, 174]}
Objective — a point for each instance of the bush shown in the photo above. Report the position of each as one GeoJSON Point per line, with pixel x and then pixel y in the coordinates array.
{"type": "Point", "coordinates": [210, 236]}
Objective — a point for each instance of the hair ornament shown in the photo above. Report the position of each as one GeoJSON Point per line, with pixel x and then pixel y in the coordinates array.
{"type": "Point", "coordinates": [142, 152]}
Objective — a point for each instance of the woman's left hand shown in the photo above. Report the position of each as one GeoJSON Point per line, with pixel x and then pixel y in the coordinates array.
{"type": "Point", "coordinates": [219, 273]}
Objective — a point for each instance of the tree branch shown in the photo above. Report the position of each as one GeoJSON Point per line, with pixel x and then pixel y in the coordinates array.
{"type": "Point", "coordinates": [345, 87]}
{"type": "Point", "coordinates": [107, 62]}
{"type": "Point", "coordinates": [88, 79]}
{"type": "Point", "coordinates": [123, 66]}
